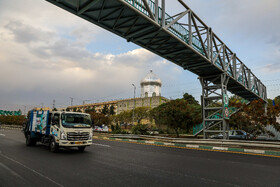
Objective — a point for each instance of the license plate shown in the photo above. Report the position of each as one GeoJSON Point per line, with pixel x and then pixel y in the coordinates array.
{"type": "Point", "coordinates": [78, 142]}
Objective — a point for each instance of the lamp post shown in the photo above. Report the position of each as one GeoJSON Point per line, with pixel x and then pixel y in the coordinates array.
{"type": "Point", "coordinates": [71, 100]}
{"type": "Point", "coordinates": [133, 104]}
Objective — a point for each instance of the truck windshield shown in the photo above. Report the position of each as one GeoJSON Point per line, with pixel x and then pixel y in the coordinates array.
{"type": "Point", "coordinates": [76, 120]}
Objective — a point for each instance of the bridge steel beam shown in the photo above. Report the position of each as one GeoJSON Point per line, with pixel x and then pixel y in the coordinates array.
{"type": "Point", "coordinates": [183, 39]}
{"type": "Point", "coordinates": [213, 112]}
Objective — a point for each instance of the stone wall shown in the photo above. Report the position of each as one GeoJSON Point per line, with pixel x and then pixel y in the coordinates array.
{"type": "Point", "coordinates": [128, 104]}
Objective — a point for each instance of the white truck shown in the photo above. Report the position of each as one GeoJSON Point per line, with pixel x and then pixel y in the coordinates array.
{"type": "Point", "coordinates": [59, 129]}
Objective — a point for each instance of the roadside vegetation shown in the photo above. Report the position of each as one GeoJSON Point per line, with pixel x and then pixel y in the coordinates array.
{"type": "Point", "coordinates": [252, 118]}
{"type": "Point", "coordinates": [12, 120]}
{"type": "Point", "coordinates": [179, 116]}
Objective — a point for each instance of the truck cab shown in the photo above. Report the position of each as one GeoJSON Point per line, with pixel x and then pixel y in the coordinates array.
{"type": "Point", "coordinates": [59, 129]}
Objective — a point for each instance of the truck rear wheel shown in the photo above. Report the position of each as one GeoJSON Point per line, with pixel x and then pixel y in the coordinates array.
{"type": "Point", "coordinates": [53, 146]}
{"type": "Point", "coordinates": [29, 141]}
{"type": "Point", "coordinates": [81, 148]}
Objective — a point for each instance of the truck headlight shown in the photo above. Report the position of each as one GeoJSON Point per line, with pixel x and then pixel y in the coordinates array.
{"type": "Point", "coordinates": [63, 136]}
{"type": "Point", "coordinates": [90, 136]}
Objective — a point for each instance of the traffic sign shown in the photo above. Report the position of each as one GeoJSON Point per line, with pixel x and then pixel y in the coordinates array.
{"type": "Point", "coordinates": [226, 113]}
{"type": "Point", "coordinates": [226, 101]}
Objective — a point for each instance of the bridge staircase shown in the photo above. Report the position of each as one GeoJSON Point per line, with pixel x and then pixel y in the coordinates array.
{"type": "Point", "coordinates": [197, 129]}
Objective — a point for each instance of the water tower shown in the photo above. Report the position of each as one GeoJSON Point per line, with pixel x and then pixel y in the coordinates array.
{"type": "Point", "coordinates": [150, 85]}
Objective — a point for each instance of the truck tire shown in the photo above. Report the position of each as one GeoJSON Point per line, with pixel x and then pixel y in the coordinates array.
{"type": "Point", "coordinates": [29, 141]}
{"type": "Point", "coordinates": [81, 148]}
{"type": "Point", "coordinates": [53, 146]}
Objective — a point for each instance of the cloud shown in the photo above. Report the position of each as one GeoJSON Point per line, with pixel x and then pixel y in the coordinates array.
{"type": "Point", "coordinates": [47, 66]}
{"type": "Point", "coordinates": [47, 53]}
{"type": "Point", "coordinates": [26, 34]}
{"type": "Point", "coordinates": [272, 68]}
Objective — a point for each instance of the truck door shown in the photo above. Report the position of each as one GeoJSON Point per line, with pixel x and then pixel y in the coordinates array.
{"type": "Point", "coordinates": [55, 124]}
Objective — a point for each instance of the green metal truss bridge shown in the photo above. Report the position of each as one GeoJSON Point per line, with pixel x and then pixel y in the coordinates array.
{"type": "Point", "coordinates": [183, 39]}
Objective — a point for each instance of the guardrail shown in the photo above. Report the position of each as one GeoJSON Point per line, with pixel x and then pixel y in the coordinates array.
{"type": "Point", "coordinates": [220, 142]}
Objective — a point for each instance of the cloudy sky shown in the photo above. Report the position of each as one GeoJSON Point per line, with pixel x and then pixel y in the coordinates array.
{"type": "Point", "coordinates": [49, 54]}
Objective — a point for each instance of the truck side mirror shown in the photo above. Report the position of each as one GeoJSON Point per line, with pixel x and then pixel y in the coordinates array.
{"type": "Point", "coordinates": [62, 117]}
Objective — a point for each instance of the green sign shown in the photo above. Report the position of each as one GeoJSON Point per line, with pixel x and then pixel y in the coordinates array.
{"type": "Point", "coordinates": [226, 100]}
{"type": "Point", "coordinates": [9, 113]}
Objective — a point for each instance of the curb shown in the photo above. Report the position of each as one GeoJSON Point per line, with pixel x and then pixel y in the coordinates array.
{"type": "Point", "coordinates": [10, 128]}
{"type": "Point", "coordinates": [199, 147]}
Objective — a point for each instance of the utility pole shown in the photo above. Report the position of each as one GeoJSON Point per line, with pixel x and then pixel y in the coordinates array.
{"type": "Point", "coordinates": [71, 101]}
{"type": "Point", "coordinates": [84, 101]}
{"type": "Point", "coordinates": [133, 104]}
{"type": "Point", "coordinates": [24, 110]}
{"type": "Point", "coordinates": [53, 103]}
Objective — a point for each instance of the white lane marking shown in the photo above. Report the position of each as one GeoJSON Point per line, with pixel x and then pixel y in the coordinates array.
{"type": "Point", "coordinates": [11, 171]}
{"type": "Point", "coordinates": [101, 145]}
{"type": "Point", "coordinates": [26, 167]}
{"type": "Point", "coordinates": [2, 134]}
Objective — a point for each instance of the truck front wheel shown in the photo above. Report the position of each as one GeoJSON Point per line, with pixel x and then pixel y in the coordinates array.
{"type": "Point", "coordinates": [53, 146]}
{"type": "Point", "coordinates": [29, 141]}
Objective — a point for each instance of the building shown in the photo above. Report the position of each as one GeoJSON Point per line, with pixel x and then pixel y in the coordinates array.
{"type": "Point", "coordinates": [150, 97]}
{"type": "Point", "coordinates": [150, 85]}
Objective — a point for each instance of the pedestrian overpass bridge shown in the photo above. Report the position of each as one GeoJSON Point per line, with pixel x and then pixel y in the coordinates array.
{"type": "Point", "coordinates": [183, 39]}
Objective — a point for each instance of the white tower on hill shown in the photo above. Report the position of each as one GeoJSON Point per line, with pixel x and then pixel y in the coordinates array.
{"type": "Point", "coordinates": [150, 85]}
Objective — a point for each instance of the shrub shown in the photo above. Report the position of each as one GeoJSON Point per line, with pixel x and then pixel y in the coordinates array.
{"type": "Point", "coordinates": [12, 120]}
{"type": "Point", "coordinates": [140, 129]}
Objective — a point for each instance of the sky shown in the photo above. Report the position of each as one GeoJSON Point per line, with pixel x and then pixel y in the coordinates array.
{"type": "Point", "coordinates": [49, 54]}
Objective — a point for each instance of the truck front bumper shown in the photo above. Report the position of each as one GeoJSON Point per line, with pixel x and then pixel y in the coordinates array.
{"type": "Point", "coordinates": [66, 143]}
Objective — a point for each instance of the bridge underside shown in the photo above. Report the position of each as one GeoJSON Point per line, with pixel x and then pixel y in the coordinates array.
{"type": "Point", "coordinates": [191, 45]}
{"type": "Point", "coordinates": [121, 18]}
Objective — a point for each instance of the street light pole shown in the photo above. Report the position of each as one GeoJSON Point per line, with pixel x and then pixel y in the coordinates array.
{"type": "Point", "coordinates": [71, 100]}
{"type": "Point", "coordinates": [84, 101]}
{"type": "Point", "coordinates": [133, 104]}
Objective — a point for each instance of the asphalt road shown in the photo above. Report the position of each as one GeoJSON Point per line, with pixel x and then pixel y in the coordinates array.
{"type": "Point", "coordinates": [111, 163]}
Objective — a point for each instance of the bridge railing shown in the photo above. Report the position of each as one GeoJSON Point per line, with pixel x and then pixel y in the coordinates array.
{"type": "Point", "coordinates": [205, 42]}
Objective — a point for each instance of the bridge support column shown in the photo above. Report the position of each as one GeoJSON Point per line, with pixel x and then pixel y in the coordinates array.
{"type": "Point", "coordinates": [214, 99]}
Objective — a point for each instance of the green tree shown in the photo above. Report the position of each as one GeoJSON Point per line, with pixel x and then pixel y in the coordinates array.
{"type": "Point", "coordinates": [105, 110]}
{"type": "Point", "coordinates": [99, 119]}
{"type": "Point", "coordinates": [190, 99]}
{"type": "Point", "coordinates": [141, 113]}
{"type": "Point", "coordinates": [252, 117]}
{"type": "Point", "coordinates": [277, 100]}
{"type": "Point", "coordinates": [177, 114]}
{"type": "Point", "coordinates": [112, 110]}
{"type": "Point", "coordinates": [123, 117]}
{"type": "Point", "coordinates": [92, 109]}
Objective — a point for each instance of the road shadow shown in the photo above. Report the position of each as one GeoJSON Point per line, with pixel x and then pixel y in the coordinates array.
{"type": "Point", "coordinates": [62, 150]}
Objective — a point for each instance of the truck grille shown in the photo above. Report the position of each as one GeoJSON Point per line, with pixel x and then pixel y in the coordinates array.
{"type": "Point", "coordinates": [77, 136]}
